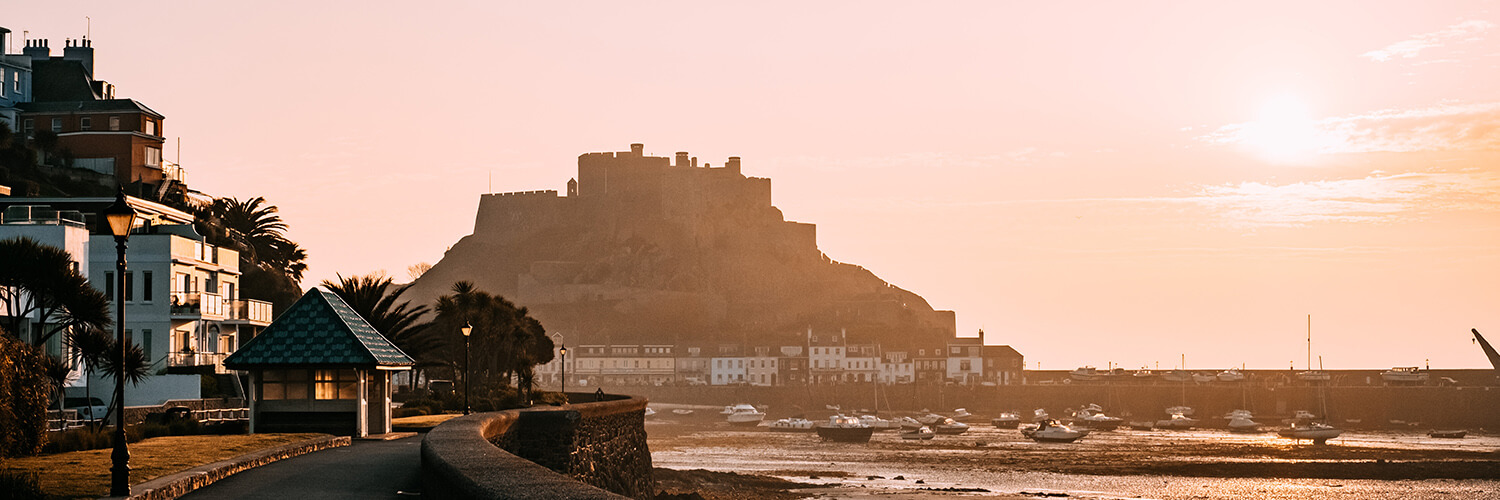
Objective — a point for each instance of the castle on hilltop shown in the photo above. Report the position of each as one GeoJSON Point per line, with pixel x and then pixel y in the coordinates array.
{"type": "Point", "coordinates": [648, 249]}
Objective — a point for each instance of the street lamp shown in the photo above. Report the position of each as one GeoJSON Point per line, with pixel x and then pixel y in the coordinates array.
{"type": "Point", "coordinates": [466, 329]}
{"type": "Point", "coordinates": [120, 218]}
{"type": "Point", "coordinates": [563, 349]}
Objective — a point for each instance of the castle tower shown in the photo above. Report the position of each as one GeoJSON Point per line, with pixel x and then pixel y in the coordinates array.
{"type": "Point", "coordinates": [572, 188]}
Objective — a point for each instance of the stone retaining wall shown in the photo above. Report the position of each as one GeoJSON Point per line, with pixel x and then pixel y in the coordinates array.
{"type": "Point", "coordinates": [570, 451]}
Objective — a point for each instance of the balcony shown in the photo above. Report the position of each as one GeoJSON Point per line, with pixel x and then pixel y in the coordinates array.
{"type": "Point", "coordinates": [190, 359]}
{"type": "Point", "coordinates": [254, 312]}
{"type": "Point", "coordinates": [209, 306]}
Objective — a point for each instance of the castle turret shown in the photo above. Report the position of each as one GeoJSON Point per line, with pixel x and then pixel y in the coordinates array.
{"type": "Point", "coordinates": [733, 164]}
{"type": "Point", "coordinates": [682, 159]}
{"type": "Point", "coordinates": [638, 149]}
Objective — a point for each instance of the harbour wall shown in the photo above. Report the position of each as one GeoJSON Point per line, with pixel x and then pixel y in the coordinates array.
{"type": "Point", "coordinates": [583, 450]}
{"type": "Point", "coordinates": [1374, 407]}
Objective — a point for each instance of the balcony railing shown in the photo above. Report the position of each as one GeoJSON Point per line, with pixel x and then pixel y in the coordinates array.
{"type": "Point", "coordinates": [207, 305]}
{"type": "Point", "coordinates": [177, 359]}
{"type": "Point", "coordinates": [254, 311]}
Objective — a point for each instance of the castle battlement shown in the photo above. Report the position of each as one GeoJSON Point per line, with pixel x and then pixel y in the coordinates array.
{"type": "Point", "coordinates": [545, 192]}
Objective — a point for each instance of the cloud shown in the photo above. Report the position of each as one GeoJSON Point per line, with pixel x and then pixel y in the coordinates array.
{"type": "Point", "coordinates": [1466, 31]}
{"type": "Point", "coordinates": [1445, 127]}
{"type": "Point", "coordinates": [1373, 199]}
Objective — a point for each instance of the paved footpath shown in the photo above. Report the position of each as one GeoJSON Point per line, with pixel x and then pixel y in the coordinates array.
{"type": "Point", "coordinates": [364, 469]}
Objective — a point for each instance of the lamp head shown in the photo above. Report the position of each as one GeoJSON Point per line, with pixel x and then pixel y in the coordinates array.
{"type": "Point", "coordinates": [120, 217]}
{"type": "Point", "coordinates": [466, 329]}
{"type": "Point", "coordinates": [563, 349]}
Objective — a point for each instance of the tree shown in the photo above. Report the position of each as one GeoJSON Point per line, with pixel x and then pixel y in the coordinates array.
{"type": "Point", "coordinates": [40, 282]}
{"type": "Point", "coordinates": [505, 339]}
{"type": "Point", "coordinates": [254, 224]}
{"type": "Point", "coordinates": [23, 398]}
{"type": "Point", "coordinates": [273, 265]}
{"type": "Point", "coordinates": [93, 346]}
{"type": "Point", "coordinates": [379, 302]}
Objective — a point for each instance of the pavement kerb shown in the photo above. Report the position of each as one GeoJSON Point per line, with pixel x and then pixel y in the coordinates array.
{"type": "Point", "coordinates": [181, 483]}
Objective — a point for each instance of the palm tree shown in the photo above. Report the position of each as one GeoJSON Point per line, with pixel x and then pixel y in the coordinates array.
{"type": "Point", "coordinates": [379, 302]}
{"type": "Point", "coordinates": [93, 346]}
{"type": "Point", "coordinates": [505, 339]}
{"type": "Point", "coordinates": [40, 282]}
{"type": "Point", "coordinates": [57, 371]}
{"type": "Point", "coordinates": [252, 223]}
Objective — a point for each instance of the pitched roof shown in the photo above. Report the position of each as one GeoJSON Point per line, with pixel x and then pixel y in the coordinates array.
{"type": "Point", "coordinates": [58, 79]}
{"type": "Point", "coordinates": [95, 106]}
{"type": "Point", "coordinates": [319, 330]}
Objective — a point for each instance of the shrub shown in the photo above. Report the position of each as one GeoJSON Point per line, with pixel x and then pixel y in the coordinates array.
{"type": "Point", "coordinates": [24, 391]}
{"type": "Point", "coordinates": [20, 486]}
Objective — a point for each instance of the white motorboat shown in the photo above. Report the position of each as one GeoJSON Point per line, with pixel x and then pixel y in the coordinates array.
{"type": "Point", "coordinates": [793, 425]}
{"type": "Point", "coordinates": [1242, 421]}
{"type": "Point", "coordinates": [1093, 417]}
{"type": "Point", "coordinates": [919, 433]}
{"type": "Point", "coordinates": [650, 412]}
{"type": "Point", "coordinates": [1314, 376]}
{"type": "Point", "coordinates": [1049, 431]}
{"type": "Point", "coordinates": [1085, 374]}
{"type": "Point", "coordinates": [1303, 415]}
{"type": "Point", "coordinates": [1318, 432]}
{"type": "Point", "coordinates": [908, 423]}
{"type": "Point", "coordinates": [1177, 421]}
{"type": "Point", "coordinates": [745, 415]}
{"type": "Point", "coordinates": [728, 410]}
{"type": "Point", "coordinates": [1204, 378]}
{"type": "Point", "coordinates": [681, 411]}
{"type": "Point", "coordinates": [845, 429]}
{"type": "Point", "coordinates": [1178, 375]}
{"type": "Point", "coordinates": [961, 414]}
{"type": "Point", "coordinates": [1404, 375]}
{"type": "Point", "coordinates": [931, 419]}
{"type": "Point", "coordinates": [1448, 434]}
{"type": "Point", "coordinates": [1006, 420]}
{"type": "Point", "coordinates": [878, 423]}
{"type": "Point", "coordinates": [1185, 410]}
{"type": "Point", "coordinates": [950, 426]}
{"type": "Point", "coordinates": [1231, 375]}
{"type": "Point", "coordinates": [1040, 414]}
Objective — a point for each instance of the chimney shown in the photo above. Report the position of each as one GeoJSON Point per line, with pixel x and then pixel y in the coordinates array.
{"type": "Point", "coordinates": [82, 51]}
{"type": "Point", "coordinates": [637, 149]}
{"type": "Point", "coordinates": [733, 164]}
{"type": "Point", "coordinates": [694, 162]}
{"type": "Point", "coordinates": [37, 50]}
{"type": "Point", "coordinates": [4, 35]}
{"type": "Point", "coordinates": [682, 159]}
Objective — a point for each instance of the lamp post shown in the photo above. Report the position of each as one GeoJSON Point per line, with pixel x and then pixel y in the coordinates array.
{"type": "Point", "coordinates": [466, 329]}
{"type": "Point", "coordinates": [563, 350]}
{"type": "Point", "coordinates": [120, 218]}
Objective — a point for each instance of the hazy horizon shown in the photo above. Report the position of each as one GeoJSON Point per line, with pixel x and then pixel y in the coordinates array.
{"type": "Point", "coordinates": [1089, 183]}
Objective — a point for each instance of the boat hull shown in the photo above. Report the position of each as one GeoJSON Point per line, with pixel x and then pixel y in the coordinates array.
{"type": "Point", "coordinates": [1005, 423]}
{"type": "Point", "coordinates": [846, 434]}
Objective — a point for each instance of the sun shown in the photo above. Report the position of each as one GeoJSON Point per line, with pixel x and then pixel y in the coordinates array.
{"type": "Point", "coordinates": [1283, 131]}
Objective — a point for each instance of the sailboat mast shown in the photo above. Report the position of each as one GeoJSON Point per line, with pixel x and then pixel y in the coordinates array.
{"type": "Point", "coordinates": [1309, 342]}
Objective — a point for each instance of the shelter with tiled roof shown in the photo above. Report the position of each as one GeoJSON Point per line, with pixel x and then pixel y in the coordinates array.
{"type": "Point", "coordinates": [320, 367]}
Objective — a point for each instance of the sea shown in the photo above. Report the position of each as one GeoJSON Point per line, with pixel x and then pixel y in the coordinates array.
{"type": "Point", "coordinates": [999, 462]}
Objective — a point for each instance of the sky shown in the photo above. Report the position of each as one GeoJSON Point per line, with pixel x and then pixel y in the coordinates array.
{"type": "Point", "coordinates": [1093, 183]}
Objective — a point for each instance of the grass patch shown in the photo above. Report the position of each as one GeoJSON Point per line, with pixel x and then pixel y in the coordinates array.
{"type": "Point", "coordinates": [85, 474]}
{"type": "Point", "coordinates": [422, 421]}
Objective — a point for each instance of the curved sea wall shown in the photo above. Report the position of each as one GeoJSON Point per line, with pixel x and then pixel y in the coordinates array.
{"type": "Point", "coordinates": [570, 451]}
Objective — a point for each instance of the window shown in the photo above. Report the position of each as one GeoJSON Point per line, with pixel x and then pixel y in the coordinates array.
{"type": "Point", "coordinates": [146, 342]}
{"type": "Point", "coordinates": [85, 123]}
{"type": "Point", "coordinates": [129, 286]}
{"type": "Point", "coordinates": [953, 350]}
{"type": "Point", "coordinates": [283, 384]}
{"type": "Point", "coordinates": [109, 286]}
{"type": "Point", "coordinates": [114, 123]}
{"type": "Point", "coordinates": [57, 124]}
{"type": "Point", "coordinates": [153, 159]}
{"type": "Point", "coordinates": [337, 384]}
{"type": "Point", "coordinates": [146, 286]}
{"type": "Point", "coordinates": [150, 127]}
{"type": "Point", "coordinates": [27, 125]}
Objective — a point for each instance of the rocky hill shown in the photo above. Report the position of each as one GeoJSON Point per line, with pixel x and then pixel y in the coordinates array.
{"type": "Point", "coordinates": [643, 249]}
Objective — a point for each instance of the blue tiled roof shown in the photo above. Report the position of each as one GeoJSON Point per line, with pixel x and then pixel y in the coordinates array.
{"type": "Point", "coordinates": [319, 330]}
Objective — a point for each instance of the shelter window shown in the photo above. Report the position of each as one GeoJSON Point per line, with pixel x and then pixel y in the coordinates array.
{"type": "Point", "coordinates": [284, 384]}
{"type": "Point", "coordinates": [337, 384]}
{"type": "Point", "coordinates": [85, 123]}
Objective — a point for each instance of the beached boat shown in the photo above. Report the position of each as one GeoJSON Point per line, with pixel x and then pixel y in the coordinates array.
{"type": "Point", "coordinates": [1185, 410]}
{"type": "Point", "coordinates": [1314, 376]}
{"type": "Point", "coordinates": [919, 433]}
{"type": "Point", "coordinates": [1006, 420]}
{"type": "Point", "coordinates": [1242, 421]}
{"type": "Point", "coordinates": [683, 412]}
{"type": "Point", "coordinates": [1085, 374]}
{"type": "Point", "coordinates": [1318, 432]}
{"type": "Point", "coordinates": [908, 423]}
{"type": "Point", "coordinates": [878, 423]}
{"type": "Point", "coordinates": [1093, 417]}
{"type": "Point", "coordinates": [650, 412]}
{"type": "Point", "coordinates": [1177, 421]}
{"type": "Point", "coordinates": [845, 429]}
{"type": "Point", "coordinates": [1404, 375]}
{"type": "Point", "coordinates": [1050, 431]}
{"type": "Point", "coordinates": [961, 415]}
{"type": "Point", "coordinates": [1449, 434]}
{"type": "Point", "coordinates": [931, 419]}
{"type": "Point", "coordinates": [1204, 378]}
{"type": "Point", "coordinates": [950, 426]}
{"type": "Point", "coordinates": [1178, 375]}
{"type": "Point", "coordinates": [1231, 375]}
{"type": "Point", "coordinates": [1039, 415]}
{"type": "Point", "coordinates": [793, 425]}
{"type": "Point", "coordinates": [745, 415]}
{"type": "Point", "coordinates": [1140, 425]}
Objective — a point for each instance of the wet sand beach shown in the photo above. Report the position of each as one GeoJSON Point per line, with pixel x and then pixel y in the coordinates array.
{"type": "Point", "coordinates": [1117, 464]}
